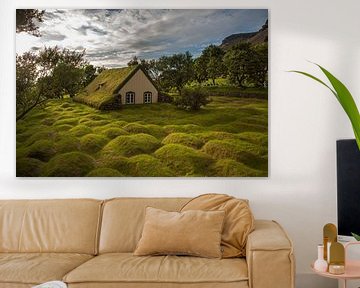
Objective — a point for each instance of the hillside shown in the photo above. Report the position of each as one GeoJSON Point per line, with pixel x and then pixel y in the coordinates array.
{"type": "Point", "coordinates": [254, 38]}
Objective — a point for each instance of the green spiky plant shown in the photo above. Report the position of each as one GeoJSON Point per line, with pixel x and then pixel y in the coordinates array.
{"type": "Point", "coordinates": [346, 100]}
{"type": "Point", "coordinates": [344, 97]}
{"type": "Point", "coordinates": [357, 237]}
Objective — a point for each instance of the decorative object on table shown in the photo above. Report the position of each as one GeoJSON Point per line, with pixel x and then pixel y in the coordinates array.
{"type": "Point", "coordinates": [52, 284]}
{"type": "Point", "coordinates": [329, 236]}
{"type": "Point", "coordinates": [344, 97]}
{"type": "Point", "coordinates": [337, 258]}
{"type": "Point", "coordinates": [320, 264]}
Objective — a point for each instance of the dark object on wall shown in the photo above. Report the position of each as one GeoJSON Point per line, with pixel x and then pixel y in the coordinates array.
{"type": "Point", "coordinates": [348, 187]}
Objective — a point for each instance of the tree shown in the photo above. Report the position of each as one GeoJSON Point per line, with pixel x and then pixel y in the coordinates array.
{"type": "Point", "coordinates": [200, 69]}
{"type": "Point", "coordinates": [238, 61]}
{"type": "Point", "coordinates": [46, 74]}
{"type": "Point", "coordinates": [133, 62]}
{"type": "Point", "coordinates": [90, 73]}
{"type": "Point", "coordinates": [67, 79]}
{"type": "Point", "coordinates": [26, 21]}
{"type": "Point", "coordinates": [259, 74]}
{"type": "Point", "coordinates": [191, 99]}
{"type": "Point", "coordinates": [176, 70]}
{"type": "Point", "coordinates": [214, 62]}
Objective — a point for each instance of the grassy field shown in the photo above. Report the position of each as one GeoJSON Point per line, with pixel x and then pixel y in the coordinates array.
{"type": "Point", "coordinates": [229, 137]}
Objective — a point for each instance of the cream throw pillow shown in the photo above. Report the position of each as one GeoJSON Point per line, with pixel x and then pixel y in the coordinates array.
{"type": "Point", "coordinates": [238, 223]}
{"type": "Point", "coordinates": [194, 232]}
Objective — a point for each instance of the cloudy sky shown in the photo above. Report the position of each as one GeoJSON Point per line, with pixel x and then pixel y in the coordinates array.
{"type": "Point", "coordinates": [112, 37]}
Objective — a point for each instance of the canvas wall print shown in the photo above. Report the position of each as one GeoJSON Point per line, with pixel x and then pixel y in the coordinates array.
{"type": "Point", "coordinates": [141, 93]}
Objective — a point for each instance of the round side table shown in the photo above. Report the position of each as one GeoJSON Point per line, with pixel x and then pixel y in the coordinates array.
{"type": "Point", "coordinates": [352, 269]}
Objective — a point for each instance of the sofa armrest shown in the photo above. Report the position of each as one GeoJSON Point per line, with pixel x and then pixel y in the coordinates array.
{"type": "Point", "coordinates": [269, 256]}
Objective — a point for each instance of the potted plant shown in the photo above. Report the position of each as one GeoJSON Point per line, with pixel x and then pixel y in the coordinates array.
{"type": "Point", "coordinates": [346, 100]}
{"type": "Point", "coordinates": [344, 97]}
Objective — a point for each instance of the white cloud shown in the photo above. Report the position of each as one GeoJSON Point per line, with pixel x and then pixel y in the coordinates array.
{"type": "Point", "coordinates": [112, 37]}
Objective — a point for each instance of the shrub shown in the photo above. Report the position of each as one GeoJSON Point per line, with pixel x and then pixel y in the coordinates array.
{"type": "Point", "coordinates": [73, 164]}
{"type": "Point", "coordinates": [215, 135]}
{"type": "Point", "coordinates": [28, 167]}
{"type": "Point", "coordinates": [92, 143]}
{"type": "Point", "coordinates": [191, 99]}
{"type": "Point", "coordinates": [41, 134]}
{"type": "Point", "coordinates": [131, 145]}
{"type": "Point", "coordinates": [232, 168]}
{"type": "Point", "coordinates": [104, 172]}
{"type": "Point", "coordinates": [255, 137]}
{"type": "Point", "coordinates": [147, 166]}
{"type": "Point", "coordinates": [184, 161]}
{"type": "Point", "coordinates": [184, 139]}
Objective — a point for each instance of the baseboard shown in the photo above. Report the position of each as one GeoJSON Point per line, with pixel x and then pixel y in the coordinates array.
{"type": "Point", "coordinates": [310, 280]}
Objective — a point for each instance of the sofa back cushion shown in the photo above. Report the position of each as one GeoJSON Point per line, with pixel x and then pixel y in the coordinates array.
{"type": "Point", "coordinates": [123, 220]}
{"type": "Point", "coordinates": [66, 226]}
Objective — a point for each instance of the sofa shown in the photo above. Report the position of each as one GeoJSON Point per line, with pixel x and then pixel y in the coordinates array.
{"type": "Point", "coordinates": [90, 243]}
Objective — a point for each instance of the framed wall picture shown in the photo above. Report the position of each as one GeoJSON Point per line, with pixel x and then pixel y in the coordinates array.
{"type": "Point", "coordinates": [141, 93]}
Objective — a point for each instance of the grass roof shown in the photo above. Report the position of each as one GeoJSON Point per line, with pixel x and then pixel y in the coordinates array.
{"type": "Point", "coordinates": [101, 90]}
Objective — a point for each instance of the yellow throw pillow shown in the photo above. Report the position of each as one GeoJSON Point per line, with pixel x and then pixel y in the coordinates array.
{"type": "Point", "coordinates": [193, 232]}
{"type": "Point", "coordinates": [238, 224]}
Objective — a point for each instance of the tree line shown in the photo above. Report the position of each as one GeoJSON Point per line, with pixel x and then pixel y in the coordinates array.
{"type": "Point", "coordinates": [52, 72]}
{"type": "Point", "coordinates": [243, 64]}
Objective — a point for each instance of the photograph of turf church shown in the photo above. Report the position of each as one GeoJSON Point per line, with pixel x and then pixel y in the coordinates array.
{"type": "Point", "coordinates": [141, 93]}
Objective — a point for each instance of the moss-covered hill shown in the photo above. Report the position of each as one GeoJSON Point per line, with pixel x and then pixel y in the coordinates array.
{"type": "Point", "coordinates": [227, 138]}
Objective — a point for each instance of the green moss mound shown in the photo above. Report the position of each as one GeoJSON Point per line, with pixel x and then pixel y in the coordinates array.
{"type": "Point", "coordinates": [113, 132]}
{"type": "Point", "coordinates": [93, 143]}
{"type": "Point", "coordinates": [42, 134]}
{"type": "Point", "coordinates": [94, 123]}
{"type": "Point", "coordinates": [112, 124]}
{"type": "Point", "coordinates": [187, 128]}
{"type": "Point", "coordinates": [254, 137]}
{"type": "Point", "coordinates": [73, 164]}
{"type": "Point", "coordinates": [136, 128]}
{"type": "Point", "coordinates": [216, 135]}
{"type": "Point", "coordinates": [131, 145]}
{"type": "Point", "coordinates": [147, 166]}
{"type": "Point", "coordinates": [68, 121]}
{"type": "Point", "coordinates": [67, 143]}
{"type": "Point", "coordinates": [64, 127]}
{"type": "Point", "coordinates": [116, 162]}
{"type": "Point", "coordinates": [104, 172]}
{"type": "Point", "coordinates": [184, 161]}
{"type": "Point", "coordinates": [232, 168]}
{"type": "Point", "coordinates": [184, 139]}
{"type": "Point", "coordinates": [28, 167]}
{"type": "Point", "coordinates": [48, 121]}
{"type": "Point", "coordinates": [240, 151]}
{"type": "Point", "coordinates": [80, 130]}
{"type": "Point", "coordinates": [42, 150]}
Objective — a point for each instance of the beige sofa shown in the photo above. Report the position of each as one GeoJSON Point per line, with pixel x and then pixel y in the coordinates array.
{"type": "Point", "coordinates": [89, 243]}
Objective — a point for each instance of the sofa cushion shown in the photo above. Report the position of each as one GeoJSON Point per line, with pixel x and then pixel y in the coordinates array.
{"type": "Point", "coordinates": [63, 226]}
{"type": "Point", "coordinates": [123, 220]}
{"type": "Point", "coordinates": [126, 268]}
{"type": "Point", "coordinates": [36, 268]}
{"type": "Point", "coordinates": [239, 220]}
{"type": "Point", "coordinates": [193, 232]}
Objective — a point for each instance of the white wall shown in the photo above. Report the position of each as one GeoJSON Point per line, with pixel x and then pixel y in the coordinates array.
{"type": "Point", "coordinates": [305, 120]}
